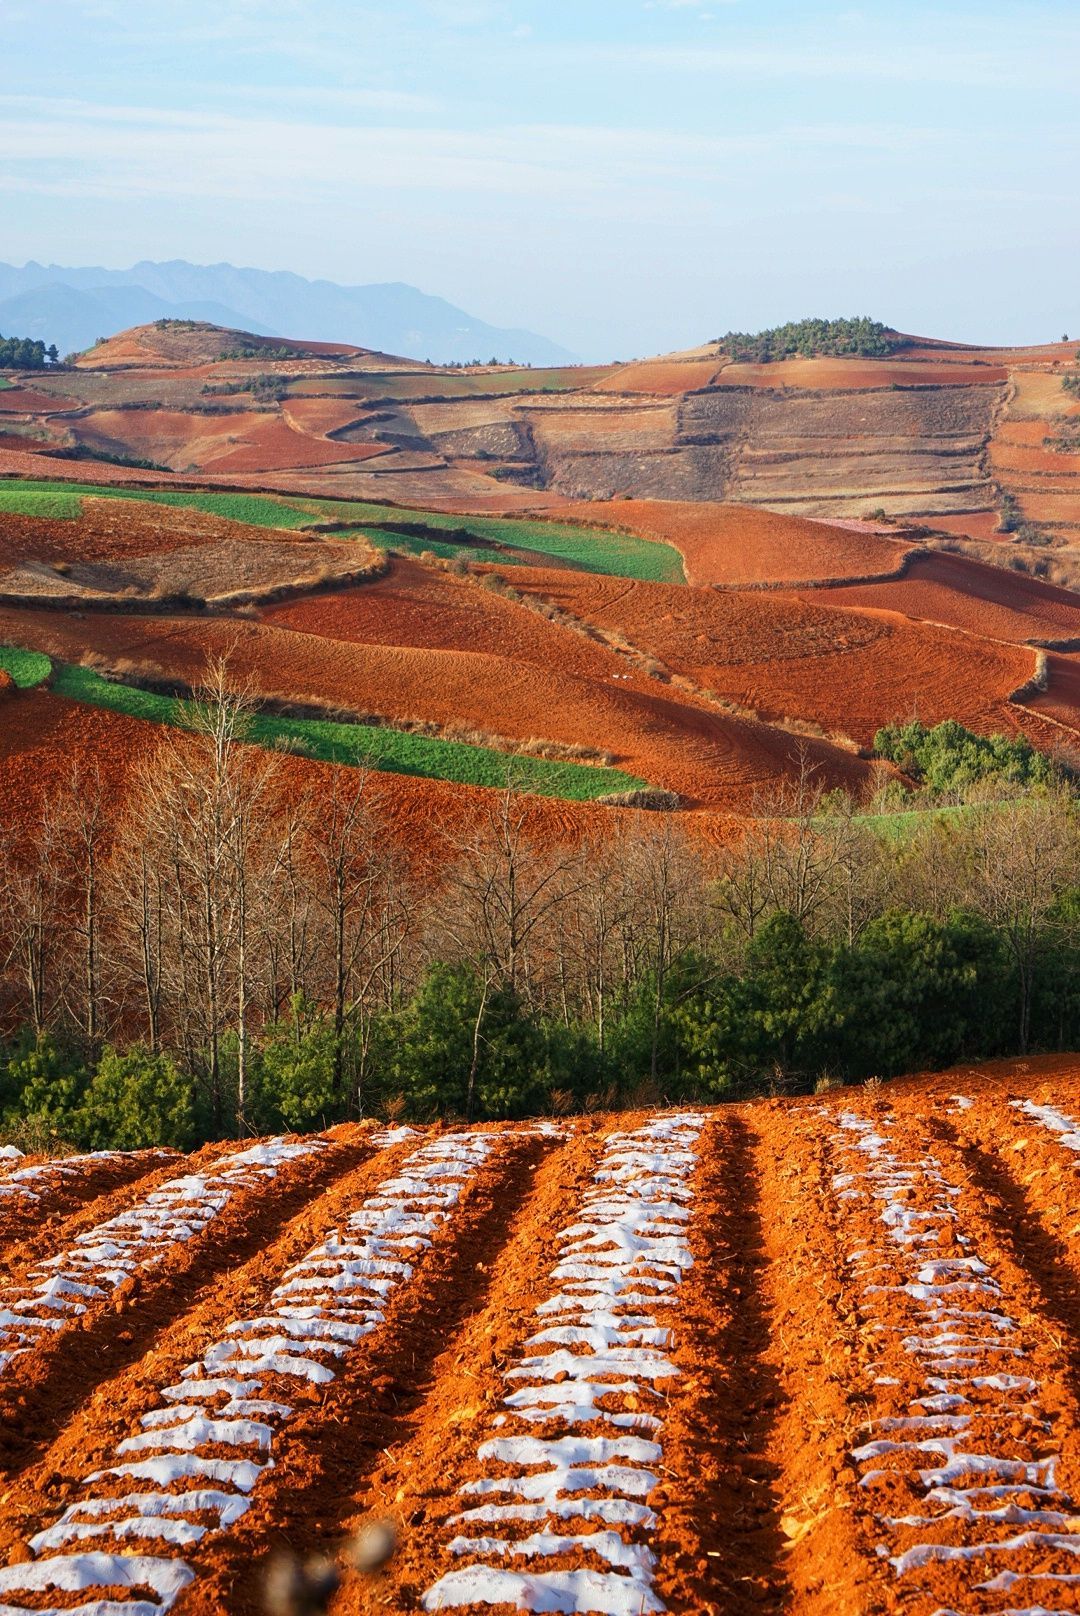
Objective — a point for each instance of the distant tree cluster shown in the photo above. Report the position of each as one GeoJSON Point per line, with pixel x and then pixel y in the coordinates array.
{"type": "Point", "coordinates": [250, 351]}
{"type": "Point", "coordinates": [949, 759]}
{"type": "Point", "coordinates": [859, 337]}
{"type": "Point", "coordinates": [264, 388]}
{"type": "Point", "coordinates": [23, 353]}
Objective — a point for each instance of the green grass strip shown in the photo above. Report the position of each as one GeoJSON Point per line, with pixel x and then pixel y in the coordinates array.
{"type": "Point", "coordinates": [55, 502]}
{"type": "Point", "coordinates": [363, 745]}
{"type": "Point", "coordinates": [593, 549]}
{"type": "Point", "coordinates": [27, 668]}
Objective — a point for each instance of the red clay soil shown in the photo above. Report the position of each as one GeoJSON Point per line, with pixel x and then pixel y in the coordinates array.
{"type": "Point", "coordinates": [793, 1351]}
{"type": "Point", "coordinates": [335, 1429]}
{"type": "Point", "coordinates": [45, 739]}
{"type": "Point", "coordinates": [663, 376]}
{"type": "Point", "coordinates": [741, 544]}
{"type": "Point", "coordinates": [843, 375]}
{"type": "Point", "coordinates": [8, 688]}
{"type": "Point", "coordinates": [238, 441]}
{"type": "Point", "coordinates": [117, 530]}
{"type": "Point", "coordinates": [26, 463]}
{"type": "Point", "coordinates": [1061, 698]}
{"type": "Point", "coordinates": [322, 417]}
{"type": "Point", "coordinates": [37, 1213]}
{"type": "Point", "coordinates": [969, 525]}
{"type": "Point", "coordinates": [985, 600]}
{"type": "Point", "coordinates": [1009, 459]}
{"type": "Point", "coordinates": [43, 1385]}
{"type": "Point", "coordinates": [658, 733]}
{"type": "Point", "coordinates": [25, 401]}
{"type": "Point", "coordinates": [424, 607]}
{"type": "Point", "coordinates": [787, 657]}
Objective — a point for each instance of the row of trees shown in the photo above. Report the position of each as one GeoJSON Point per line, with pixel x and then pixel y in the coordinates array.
{"type": "Point", "coordinates": [235, 954]}
{"type": "Point", "coordinates": [23, 353]}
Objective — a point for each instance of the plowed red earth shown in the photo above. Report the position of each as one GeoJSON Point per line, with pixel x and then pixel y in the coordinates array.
{"type": "Point", "coordinates": [971, 525]}
{"type": "Point", "coordinates": [663, 376]}
{"type": "Point", "coordinates": [740, 545]}
{"type": "Point", "coordinates": [966, 594]}
{"type": "Point", "coordinates": [840, 375]}
{"type": "Point", "coordinates": [44, 738]}
{"type": "Point", "coordinates": [113, 530]}
{"type": "Point", "coordinates": [238, 441]}
{"type": "Point", "coordinates": [661, 735]}
{"type": "Point", "coordinates": [789, 657]}
{"type": "Point", "coordinates": [828, 1367]}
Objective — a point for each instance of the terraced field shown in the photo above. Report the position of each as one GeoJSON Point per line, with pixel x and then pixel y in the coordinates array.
{"type": "Point", "coordinates": [809, 1356]}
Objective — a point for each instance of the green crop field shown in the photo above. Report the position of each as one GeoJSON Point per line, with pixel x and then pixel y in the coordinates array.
{"type": "Point", "coordinates": [52, 500]}
{"type": "Point", "coordinates": [362, 745]}
{"type": "Point", "coordinates": [591, 549]}
{"type": "Point", "coordinates": [6, 381]}
{"type": "Point", "coordinates": [27, 668]}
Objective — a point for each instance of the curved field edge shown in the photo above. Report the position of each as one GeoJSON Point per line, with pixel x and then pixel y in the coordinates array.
{"type": "Point", "coordinates": [599, 550]}
{"type": "Point", "coordinates": [354, 745]}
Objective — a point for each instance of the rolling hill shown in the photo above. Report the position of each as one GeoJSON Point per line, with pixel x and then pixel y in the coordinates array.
{"type": "Point", "coordinates": [691, 573]}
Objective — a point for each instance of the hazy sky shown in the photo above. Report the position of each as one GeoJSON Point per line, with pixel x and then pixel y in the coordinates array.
{"type": "Point", "coordinates": [626, 176]}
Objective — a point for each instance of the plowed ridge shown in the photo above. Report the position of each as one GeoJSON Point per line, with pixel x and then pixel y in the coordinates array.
{"type": "Point", "coordinates": [61, 1289]}
{"type": "Point", "coordinates": [960, 1474]}
{"type": "Point", "coordinates": [576, 1447]}
{"type": "Point", "coordinates": [39, 1189]}
{"type": "Point", "coordinates": [188, 1471]}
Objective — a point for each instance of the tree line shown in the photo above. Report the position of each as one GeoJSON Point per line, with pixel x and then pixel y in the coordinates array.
{"type": "Point", "coordinates": [233, 955]}
{"type": "Point", "coordinates": [23, 353]}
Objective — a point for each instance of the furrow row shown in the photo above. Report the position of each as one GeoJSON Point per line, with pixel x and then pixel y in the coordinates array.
{"type": "Point", "coordinates": [557, 1520]}
{"type": "Point", "coordinates": [959, 1462]}
{"type": "Point", "coordinates": [186, 1474]}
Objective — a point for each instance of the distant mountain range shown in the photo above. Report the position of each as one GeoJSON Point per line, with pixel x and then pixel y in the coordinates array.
{"type": "Point", "coordinates": [73, 307]}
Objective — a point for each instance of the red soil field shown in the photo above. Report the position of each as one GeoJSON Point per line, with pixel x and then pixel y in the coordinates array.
{"type": "Point", "coordinates": [44, 737]}
{"type": "Point", "coordinates": [114, 530]}
{"type": "Point", "coordinates": [238, 441]}
{"type": "Point", "coordinates": [1060, 701]}
{"type": "Point", "coordinates": [993, 602]}
{"type": "Point", "coordinates": [25, 401]}
{"type": "Point", "coordinates": [1007, 455]}
{"type": "Point", "coordinates": [26, 463]}
{"type": "Point", "coordinates": [741, 544]}
{"type": "Point", "coordinates": [971, 525]}
{"type": "Point", "coordinates": [663, 376]}
{"type": "Point", "coordinates": [840, 375]}
{"type": "Point", "coordinates": [710, 1328]}
{"type": "Point", "coordinates": [787, 657]}
{"type": "Point", "coordinates": [707, 756]}
{"type": "Point", "coordinates": [321, 416]}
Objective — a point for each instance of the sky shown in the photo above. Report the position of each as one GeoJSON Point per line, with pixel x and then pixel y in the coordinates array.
{"type": "Point", "coordinates": [625, 176]}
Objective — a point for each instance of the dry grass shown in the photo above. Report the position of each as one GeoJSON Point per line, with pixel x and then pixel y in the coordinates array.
{"type": "Point", "coordinates": [653, 800]}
